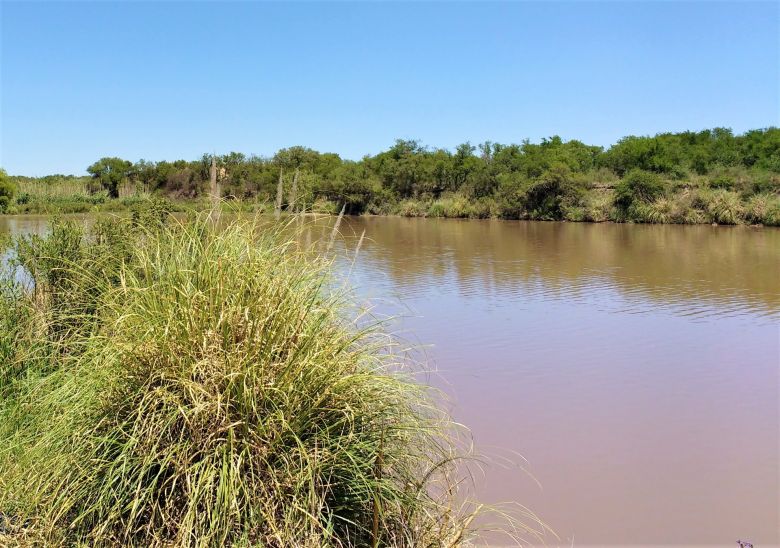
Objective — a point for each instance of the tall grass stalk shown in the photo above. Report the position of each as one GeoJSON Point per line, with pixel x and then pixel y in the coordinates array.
{"type": "Point", "coordinates": [336, 226]}
{"type": "Point", "coordinates": [222, 394]}
{"type": "Point", "coordinates": [294, 191]}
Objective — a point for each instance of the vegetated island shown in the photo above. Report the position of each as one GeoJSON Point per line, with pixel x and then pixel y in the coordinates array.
{"type": "Point", "coordinates": [710, 176]}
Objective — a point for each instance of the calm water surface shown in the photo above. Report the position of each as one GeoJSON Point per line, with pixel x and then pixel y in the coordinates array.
{"type": "Point", "coordinates": [635, 368]}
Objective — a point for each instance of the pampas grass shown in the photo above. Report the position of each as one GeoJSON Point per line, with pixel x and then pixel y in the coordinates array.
{"type": "Point", "coordinates": [217, 391]}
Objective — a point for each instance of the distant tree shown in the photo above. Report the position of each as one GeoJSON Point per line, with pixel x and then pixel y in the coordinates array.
{"type": "Point", "coordinates": [297, 157]}
{"type": "Point", "coordinates": [7, 191]}
{"type": "Point", "coordinates": [111, 172]}
{"type": "Point", "coordinates": [145, 174]}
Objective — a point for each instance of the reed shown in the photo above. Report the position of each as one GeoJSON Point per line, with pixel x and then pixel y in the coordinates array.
{"type": "Point", "coordinates": [53, 187]}
{"type": "Point", "coordinates": [336, 226]}
{"type": "Point", "coordinates": [293, 192]}
{"type": "Point", "coordinates": [220, 393]}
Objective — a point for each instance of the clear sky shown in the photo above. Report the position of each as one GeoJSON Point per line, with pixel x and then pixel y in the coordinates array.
{"type": "Point", "coordinates": [174, 80]}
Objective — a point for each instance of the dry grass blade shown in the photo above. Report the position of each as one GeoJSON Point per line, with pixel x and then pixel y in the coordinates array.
{"type": "Point", "coordinates": [336, 226]}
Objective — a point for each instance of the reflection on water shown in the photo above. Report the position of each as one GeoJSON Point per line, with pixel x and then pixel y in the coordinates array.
{"type": "Point", "coordinates": [696, 271]}
{"type": "Point", "coordinates": [634, 367]}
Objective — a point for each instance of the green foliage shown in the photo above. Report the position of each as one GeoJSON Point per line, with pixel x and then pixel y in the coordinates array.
{"type": "Point", "coordinates": [764, 182]}
{"type": "Point", "coordinates": [412, 208]}
{"type": "Point", "coordinates": [597, 206]}
{"type": "Point", "coordinates": [553, 179]}
{"type": "Point", "coordinates": [454, 206]}
{"type": "Point", "coordinates": [110, 173]}
{"type": "Point", "coordinates": [637, 187]}
{"type": "Point", "coordinates": [555, 190]}
{"type": "Point", "coordinates": [7, 191]}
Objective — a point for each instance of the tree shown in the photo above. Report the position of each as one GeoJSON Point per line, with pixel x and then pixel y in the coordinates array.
{"type": "Point", "coordinates": [111, 172]}
{"type": "Point", "coordinates": [7, 191]}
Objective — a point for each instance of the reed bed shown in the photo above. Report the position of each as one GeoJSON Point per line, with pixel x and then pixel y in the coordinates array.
{"type": "Point", "coordinates": [54, 187]}
{"type": "Point", "coordinates": [178, 384]}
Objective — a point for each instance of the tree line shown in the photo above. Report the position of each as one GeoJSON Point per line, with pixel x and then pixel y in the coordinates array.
{"type": "Point", "coordinates": [552, 179]}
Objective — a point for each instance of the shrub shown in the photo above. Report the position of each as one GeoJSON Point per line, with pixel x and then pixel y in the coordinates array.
{"type": "Point", "coordinates": [7, 191]}
{"type": "Point", "coordinates": [573, 213]}
{"type": "Point", "coordinates": [723, 181]}
{"type": "Point", "coordinates": [510, 195]}
{"type": "Point", "coordinates": [765, 182]}
{"type": "Point", "coordinates": [598, 206]}
{"type": "Point", "coordinates": [638, 186]}
{"type": "Point", "coordinates": [554, 191]}
{"type": "Point", "coordinates": [484, 208]}
{"type": "Point", "coordinates": [452, 206]}
{"type": "Point", "coordinates": [412, 208]}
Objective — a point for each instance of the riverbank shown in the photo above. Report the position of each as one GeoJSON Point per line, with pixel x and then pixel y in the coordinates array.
{"type": "Point", "coordinates": [690, 206]}
{"type": "Point", "coordinates": [710, 176]}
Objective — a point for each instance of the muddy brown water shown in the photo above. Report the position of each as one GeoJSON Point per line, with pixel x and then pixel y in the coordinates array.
{"type": "Point", "coordinates": [634, 368]}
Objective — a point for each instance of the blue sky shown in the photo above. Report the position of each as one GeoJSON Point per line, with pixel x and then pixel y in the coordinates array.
{"type": "Point", "coordinates": [174, 80]}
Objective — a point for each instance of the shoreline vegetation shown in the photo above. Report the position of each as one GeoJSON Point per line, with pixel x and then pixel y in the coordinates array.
{"type": "Point", "coordinates": [168, 381]}
{"type": "Point", "coordinates": [710, 176]}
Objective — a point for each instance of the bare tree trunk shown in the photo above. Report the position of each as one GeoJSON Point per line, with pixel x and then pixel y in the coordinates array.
{"type": "Point", "coordinates": [279, 193]}
{"type": "Point", "coordinates": [293, 192]}
{"type": "Point", "coordinates": [214, 189]}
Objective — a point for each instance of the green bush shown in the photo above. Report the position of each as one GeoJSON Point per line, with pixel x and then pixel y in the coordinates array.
{"type": "Point", "coordinates": [723, 182]}
{"type": "Point", "coordinates": [557, 189]}
{"type": "Point", "coordinates": [765, 182]}
{"type": "Point", "coordinates": [598, 206]}
{"type": "Point", "coordinates": [412, 208]}
{"type": "Point", "coordinates": [454, 206]}
{"type": "Point", "coordinates": [638, 186]}
{"type": "Point", "coordinates": [7, 191]}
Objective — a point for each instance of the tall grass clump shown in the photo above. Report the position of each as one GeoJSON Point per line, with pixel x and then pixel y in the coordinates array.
{"type": "Point", "coordinates": [13, 323]}
{"type": "Point", "coordinates": [225, 393]}
{"type": "Point", "coordinates": [764, 209]}
{"type": "Point", "coordinates": [725, 207]}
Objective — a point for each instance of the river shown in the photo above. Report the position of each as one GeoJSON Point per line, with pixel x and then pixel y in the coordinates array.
{"type": "Point", "coordinates": [622, 380]}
